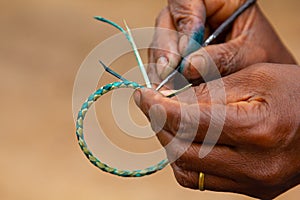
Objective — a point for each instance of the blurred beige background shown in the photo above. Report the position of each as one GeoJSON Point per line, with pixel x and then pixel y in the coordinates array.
{"type": "Point", "coordinates": [42, 44]}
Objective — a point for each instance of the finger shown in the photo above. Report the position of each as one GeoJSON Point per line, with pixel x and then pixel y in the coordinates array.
{"type": "Point", "coordinates": [222, 160]}
{"type": "Point", "coordinates": [154, 76]}
{"type": "Point", "coordinates": [233, 111]}
{"type": "Point", "coordinates": [189, 122]}
{"type": "Point", "coordinates": [190, 179]}
{"type": "Point", "coordinates": [189, 19]}
{"type": "Point", "coordinates": [219, 184]}
{"type": "Point", "coordinates": [244, 86]}
{"type": "Point", "coordinates": [164, 54]}
{"type": "Point", "coordinates": [242, 49]}
{"type": "Point", "coordinates": [224, 169]}
{"type": "Point", "coordinates": [215, 61]}
{"type": "Point", "coordinates": [220, 10]}
{"type": "Point", "coordinates": [243, 95]}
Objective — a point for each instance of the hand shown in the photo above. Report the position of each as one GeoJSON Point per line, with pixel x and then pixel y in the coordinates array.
{"type": "Point", "coordinates": [251, 40]}
{"type": "Point", "coordinates": [257, 153]}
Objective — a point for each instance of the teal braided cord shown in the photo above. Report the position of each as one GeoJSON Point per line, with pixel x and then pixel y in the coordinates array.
{"type": "Point", "coordinates": [81, 141]}
{"type": "Point", "coordinates": [129, 37]}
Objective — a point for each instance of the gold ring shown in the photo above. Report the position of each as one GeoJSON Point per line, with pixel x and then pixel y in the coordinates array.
{"type": "Point", "coordinates": [201, 181]}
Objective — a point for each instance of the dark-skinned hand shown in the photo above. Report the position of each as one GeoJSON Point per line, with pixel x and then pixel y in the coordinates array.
{"type": "Point", "coordinates": [257, 153]}
{"type": "Point", "coordinates": [250, 40]}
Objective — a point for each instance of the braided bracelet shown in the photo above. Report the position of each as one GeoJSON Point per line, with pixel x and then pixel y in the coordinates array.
{"type": "Point", "coordinates": [81, 141]}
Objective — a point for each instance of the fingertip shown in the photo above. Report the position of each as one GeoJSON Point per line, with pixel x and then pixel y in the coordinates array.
{"type": "Point", "coordinates": [195, 67]}
{"type": "Point", "coordinates": [143, 95]}
{"type": "Point", "coordinates": [137, 97]}
{"type": "Point", "coordinates": [183, 44]}
{"type": "Point", "coordinates": [166, 64]}
{"type": "Point", "coordinates": [161, 65]}
{"type": "Point", "coordinates": [162, 61]}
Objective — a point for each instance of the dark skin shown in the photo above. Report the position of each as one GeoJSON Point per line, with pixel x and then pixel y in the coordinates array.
{"type": "Point", "coordinates": [251, 40]}
{"type": "Point", "coordinates": [257, 153]}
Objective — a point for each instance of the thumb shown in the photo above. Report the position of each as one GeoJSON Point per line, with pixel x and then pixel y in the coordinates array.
{"type": "Point", "coordinates": [212, 61]}
{"type": "Point", "coordinates": [146, 98]}
{"type": "Point", "coordinates": [137, 97]}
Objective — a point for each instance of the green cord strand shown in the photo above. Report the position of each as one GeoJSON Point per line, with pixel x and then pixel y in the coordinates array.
{"type": "Point", "coordinates": [129, 37]}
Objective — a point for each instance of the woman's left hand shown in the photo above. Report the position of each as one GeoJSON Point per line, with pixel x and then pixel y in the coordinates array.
{"type": "Point", "coordinates": [257, 153]}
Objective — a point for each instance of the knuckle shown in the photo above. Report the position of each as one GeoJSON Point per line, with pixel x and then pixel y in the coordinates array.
{"type": "Point", "coordinates": [255, 127]}
{"type": "Point", "coordinates": [161, 15]}
{"type": "Point", "coordinates": [265, 135]}
{"type": "Point", "coordinates": [175, 151]}
{"type": "Point", "coordinates": [184, 178]}
{"type": "Point", "coordinates": [227, 60]}
{"type": "Point", "coordinates": [268, 139]}
{"type": "Point", "coordinates": [187, 157]}
{"type": "Point", "coordinates": [270, 174]}
{"type": "Point", "coordinates": [184, 13]}
{"type": "Point", "coordinates": [184, 22]}
{"type": "Point", "coordinates": [180, 162]}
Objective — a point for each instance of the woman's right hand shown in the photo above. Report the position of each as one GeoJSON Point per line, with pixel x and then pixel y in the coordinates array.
{"type": "Point", "coordinates": [250, 40]}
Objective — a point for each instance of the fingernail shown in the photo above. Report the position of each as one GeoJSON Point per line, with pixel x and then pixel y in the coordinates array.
{"type": "Point", "coordinates": [162, 61]}
{"type": "Point", "coordinates": [196, 67]}
{"type": "Point", "coordinates": [137, 97]}
{"type": "Point", "coordinates": [161, 65]}
{"type": "Point", "coordinates": [183, 43]}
